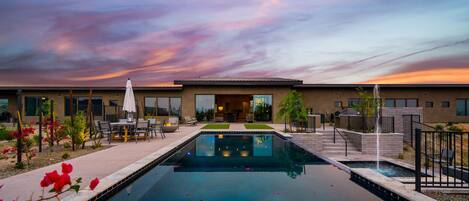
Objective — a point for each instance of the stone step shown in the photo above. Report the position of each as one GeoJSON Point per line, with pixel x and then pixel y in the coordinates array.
{"type": "Point", "coordinates": [341, 152]}
{"type": "Point", "coordinates": [340, 148]}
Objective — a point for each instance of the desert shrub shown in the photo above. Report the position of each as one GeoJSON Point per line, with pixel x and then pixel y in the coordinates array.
{"type": "Point", "coordinates": [439, 127]}
{"type": "Point", "coordinates": [67, 145]}
{"type": "Point", "coordinates": [5, 134]}
{"type": "Point", "coordinates": [65, 156]}
{"type": "Point", "coordinates": [455, 128]}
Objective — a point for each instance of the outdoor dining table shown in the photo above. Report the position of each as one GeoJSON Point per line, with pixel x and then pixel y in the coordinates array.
{"type": "Point", "coordinates": [125, 125]}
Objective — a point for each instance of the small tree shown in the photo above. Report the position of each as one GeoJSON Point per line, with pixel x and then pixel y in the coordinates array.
{"type": "Point", "coordinates": [368, 106]}
{"type": "Point", "coordinates": [75, 128]}
{"type": "Point", "coordinates": [292, 109]}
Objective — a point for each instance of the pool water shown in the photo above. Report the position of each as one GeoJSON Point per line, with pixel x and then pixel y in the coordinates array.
{"type": "Point", "coordinates": [385, 168]}
{"type": "Point", "coordinates": [231, 167]}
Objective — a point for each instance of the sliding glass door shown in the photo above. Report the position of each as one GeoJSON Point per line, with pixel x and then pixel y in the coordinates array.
{"type": "Point", "coordinates": [262, 107]}
{"type": "Point", "coordinates": [204, 107]}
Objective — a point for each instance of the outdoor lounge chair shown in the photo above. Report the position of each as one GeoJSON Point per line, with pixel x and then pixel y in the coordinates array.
{"type": "Point", "coordinates": [142, 127]}
{"type": "Point", "coordinates": [155, 128]}
{"type": "Point", "coordinates": [444, 158]}
{"type": "Point", "coordinates": [190, 121]}
{"type": "Point", "coordinates": [105, 129]}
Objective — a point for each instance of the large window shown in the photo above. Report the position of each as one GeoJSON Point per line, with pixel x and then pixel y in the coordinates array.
{"type": "Point", "coordinates": [401, 102]}
{"type": "Point", "coordinates": [80, 104]}
{"type": "Point", "coordinates": [162, 106]}
{"type": "Point", "coordinates": [175, 104]}
{"type": "Point", "coordinates": [3, 105]}
{"type": "Point", "coordinates": [262, 107]}
{"type": "Point", "coordinates": [462, 107]}
{"type": "Point", "coordinates": [32, 105]}
{"type": "Point", "coordinates": [4, 114]}
{"type": "Point", "coordinates": [204, 107]}
{"type": "Point", "coordinates": [150, 106]}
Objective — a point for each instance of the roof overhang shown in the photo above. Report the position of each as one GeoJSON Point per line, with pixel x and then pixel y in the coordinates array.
{"type": "Point", "coordinates": [238, 82]}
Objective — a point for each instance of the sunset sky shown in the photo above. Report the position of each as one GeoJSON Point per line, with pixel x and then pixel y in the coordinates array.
{"type": "Point", "coordinates": [103, 42]}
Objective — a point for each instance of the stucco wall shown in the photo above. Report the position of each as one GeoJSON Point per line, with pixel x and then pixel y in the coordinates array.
{"type": "Point", "coordinates": [391, 144]}
{"type": "Point", "coordinates": [311, 141]}
{"type": "Point", "coordinates": [322, 100]}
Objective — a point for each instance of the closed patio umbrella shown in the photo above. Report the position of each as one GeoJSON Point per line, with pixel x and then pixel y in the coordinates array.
{"type": "Point", "coordinates": [129, 99]}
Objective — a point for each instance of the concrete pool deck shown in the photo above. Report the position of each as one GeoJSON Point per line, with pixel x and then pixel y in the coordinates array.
{"type": "Point", "coordinates": [98, 164]}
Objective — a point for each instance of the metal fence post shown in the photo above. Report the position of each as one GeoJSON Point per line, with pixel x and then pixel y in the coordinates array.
{"type": "Point", "coordinates": [417, 161]}
{"type": "Point", "coordinates": [412, 130]}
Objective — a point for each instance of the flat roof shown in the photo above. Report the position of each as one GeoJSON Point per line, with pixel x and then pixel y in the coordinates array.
{"type": "Point", "coordinates": [228, 81]}
{"type": "Point", "coordinates": [84, 88]}
{"type": "Point", "coordinates": [382, 85]}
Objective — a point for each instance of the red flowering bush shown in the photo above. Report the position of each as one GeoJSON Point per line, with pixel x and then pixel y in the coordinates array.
{"type": "Point", "coordinates": [24, 144]}
{"type": "Point", "coordinates": [62, 183]}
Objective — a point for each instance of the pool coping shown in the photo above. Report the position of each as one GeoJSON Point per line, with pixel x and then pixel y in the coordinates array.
{"type": "Point", "coordinates": [391, 184]}
{"type": "Point", "coordinates": [115, 179]}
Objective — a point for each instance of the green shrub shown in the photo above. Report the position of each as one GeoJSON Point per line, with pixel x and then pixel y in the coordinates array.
{"type": "Point", "coordinates": [455, 128]}
{"type": "Point", "coordinates": [439, 127]}
{"type": "Point", "coordinates": [67, 145]}
{"type": "Point", "coordinates": [5, 134]}
{"type": "Point", "coordinates": [65, 156]}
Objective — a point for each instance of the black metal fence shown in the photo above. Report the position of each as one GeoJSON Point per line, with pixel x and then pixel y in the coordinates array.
{"type": "Point", "coordinates": [365, 124]}
{"type": "Point", "coordinates": [441, 159]}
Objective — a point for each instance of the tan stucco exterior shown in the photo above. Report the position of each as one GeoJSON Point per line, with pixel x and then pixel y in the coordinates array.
{"type": "Point", "coordinates": [320, 99]}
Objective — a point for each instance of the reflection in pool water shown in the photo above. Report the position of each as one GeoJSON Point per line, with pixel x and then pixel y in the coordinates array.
{"type": "Point", "coordinates": [243, 167]}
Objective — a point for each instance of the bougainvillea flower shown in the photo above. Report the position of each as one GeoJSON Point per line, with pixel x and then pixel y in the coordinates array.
{"type": "Point", "coordinates": [94, 183]}
{"type": "Point", "coordinates": [67, 168]}
{"type": "Point", "coordinates": [53, 176]}
{"type": "Point", "coordinates": [45, 182]}
{"type": "Point", "coordinates": [64, 179]}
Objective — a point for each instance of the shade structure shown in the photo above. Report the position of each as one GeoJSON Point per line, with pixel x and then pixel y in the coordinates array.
{"type": "Point", "coordinates": [129, 99]}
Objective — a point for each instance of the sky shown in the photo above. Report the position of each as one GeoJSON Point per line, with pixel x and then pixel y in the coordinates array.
{"type": "Point", "coordinates": [102, 43]}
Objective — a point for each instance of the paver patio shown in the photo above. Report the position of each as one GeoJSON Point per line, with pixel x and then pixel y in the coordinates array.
{"type": "Point", "coordinates": [99, 164]}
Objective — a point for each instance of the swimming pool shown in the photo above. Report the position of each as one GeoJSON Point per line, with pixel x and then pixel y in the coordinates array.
{"type": "Point", "coordinates": [228, 166]}
{"type": "Point", "coordinates": [386, 168]}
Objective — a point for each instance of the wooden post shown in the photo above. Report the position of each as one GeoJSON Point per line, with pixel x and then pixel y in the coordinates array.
{"type": "Point", "coordinates": [52, 122]}
{"type": "Point", "coordinates": [71, 117]}
{"type": "Point", "coordinates": [40, 130]}
{"type": "Point", "coordinates": [88, 116]}
{"type": "Point", "coordinates": [19, 141]}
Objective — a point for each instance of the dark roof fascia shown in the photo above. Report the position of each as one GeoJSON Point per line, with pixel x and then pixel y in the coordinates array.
{"type": "Point", "coordinates": [238, 82]}
{"type": "Point", "coordinates": [382, 86]}
{"type": "Point", "coordinates": [178, 88]}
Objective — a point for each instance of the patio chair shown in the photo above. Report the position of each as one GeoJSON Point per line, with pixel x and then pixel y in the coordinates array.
{"type": "Point", "coordinates": [444, 158]}
{"type": "Point", "coordinates": [190, 121]}
{"type": "Point", "coordinates": [141, 127]}
{"type": "Point", "coordinates": [155, 127]}
{"type": "Point", "coordinates": [104, 127]}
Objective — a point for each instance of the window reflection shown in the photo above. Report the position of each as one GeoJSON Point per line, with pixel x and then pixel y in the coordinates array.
{"type": "Point", "coordinates": [204, 107]}
{"type": "Point", "coordinates": [262, 107]}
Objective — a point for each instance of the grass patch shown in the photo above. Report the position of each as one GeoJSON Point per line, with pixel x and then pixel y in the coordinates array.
{"type": "Point", "coordinates": [216, 126]}
{"type": "Point", "coordinates": [257, 126]}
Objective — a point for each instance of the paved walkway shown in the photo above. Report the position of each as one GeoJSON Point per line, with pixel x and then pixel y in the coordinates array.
{"type": "Point", "coordinates": [99, 164]}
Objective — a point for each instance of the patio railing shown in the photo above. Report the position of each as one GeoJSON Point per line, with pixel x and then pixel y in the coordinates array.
{"type": "Point", "coordinates": [441, 159]}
